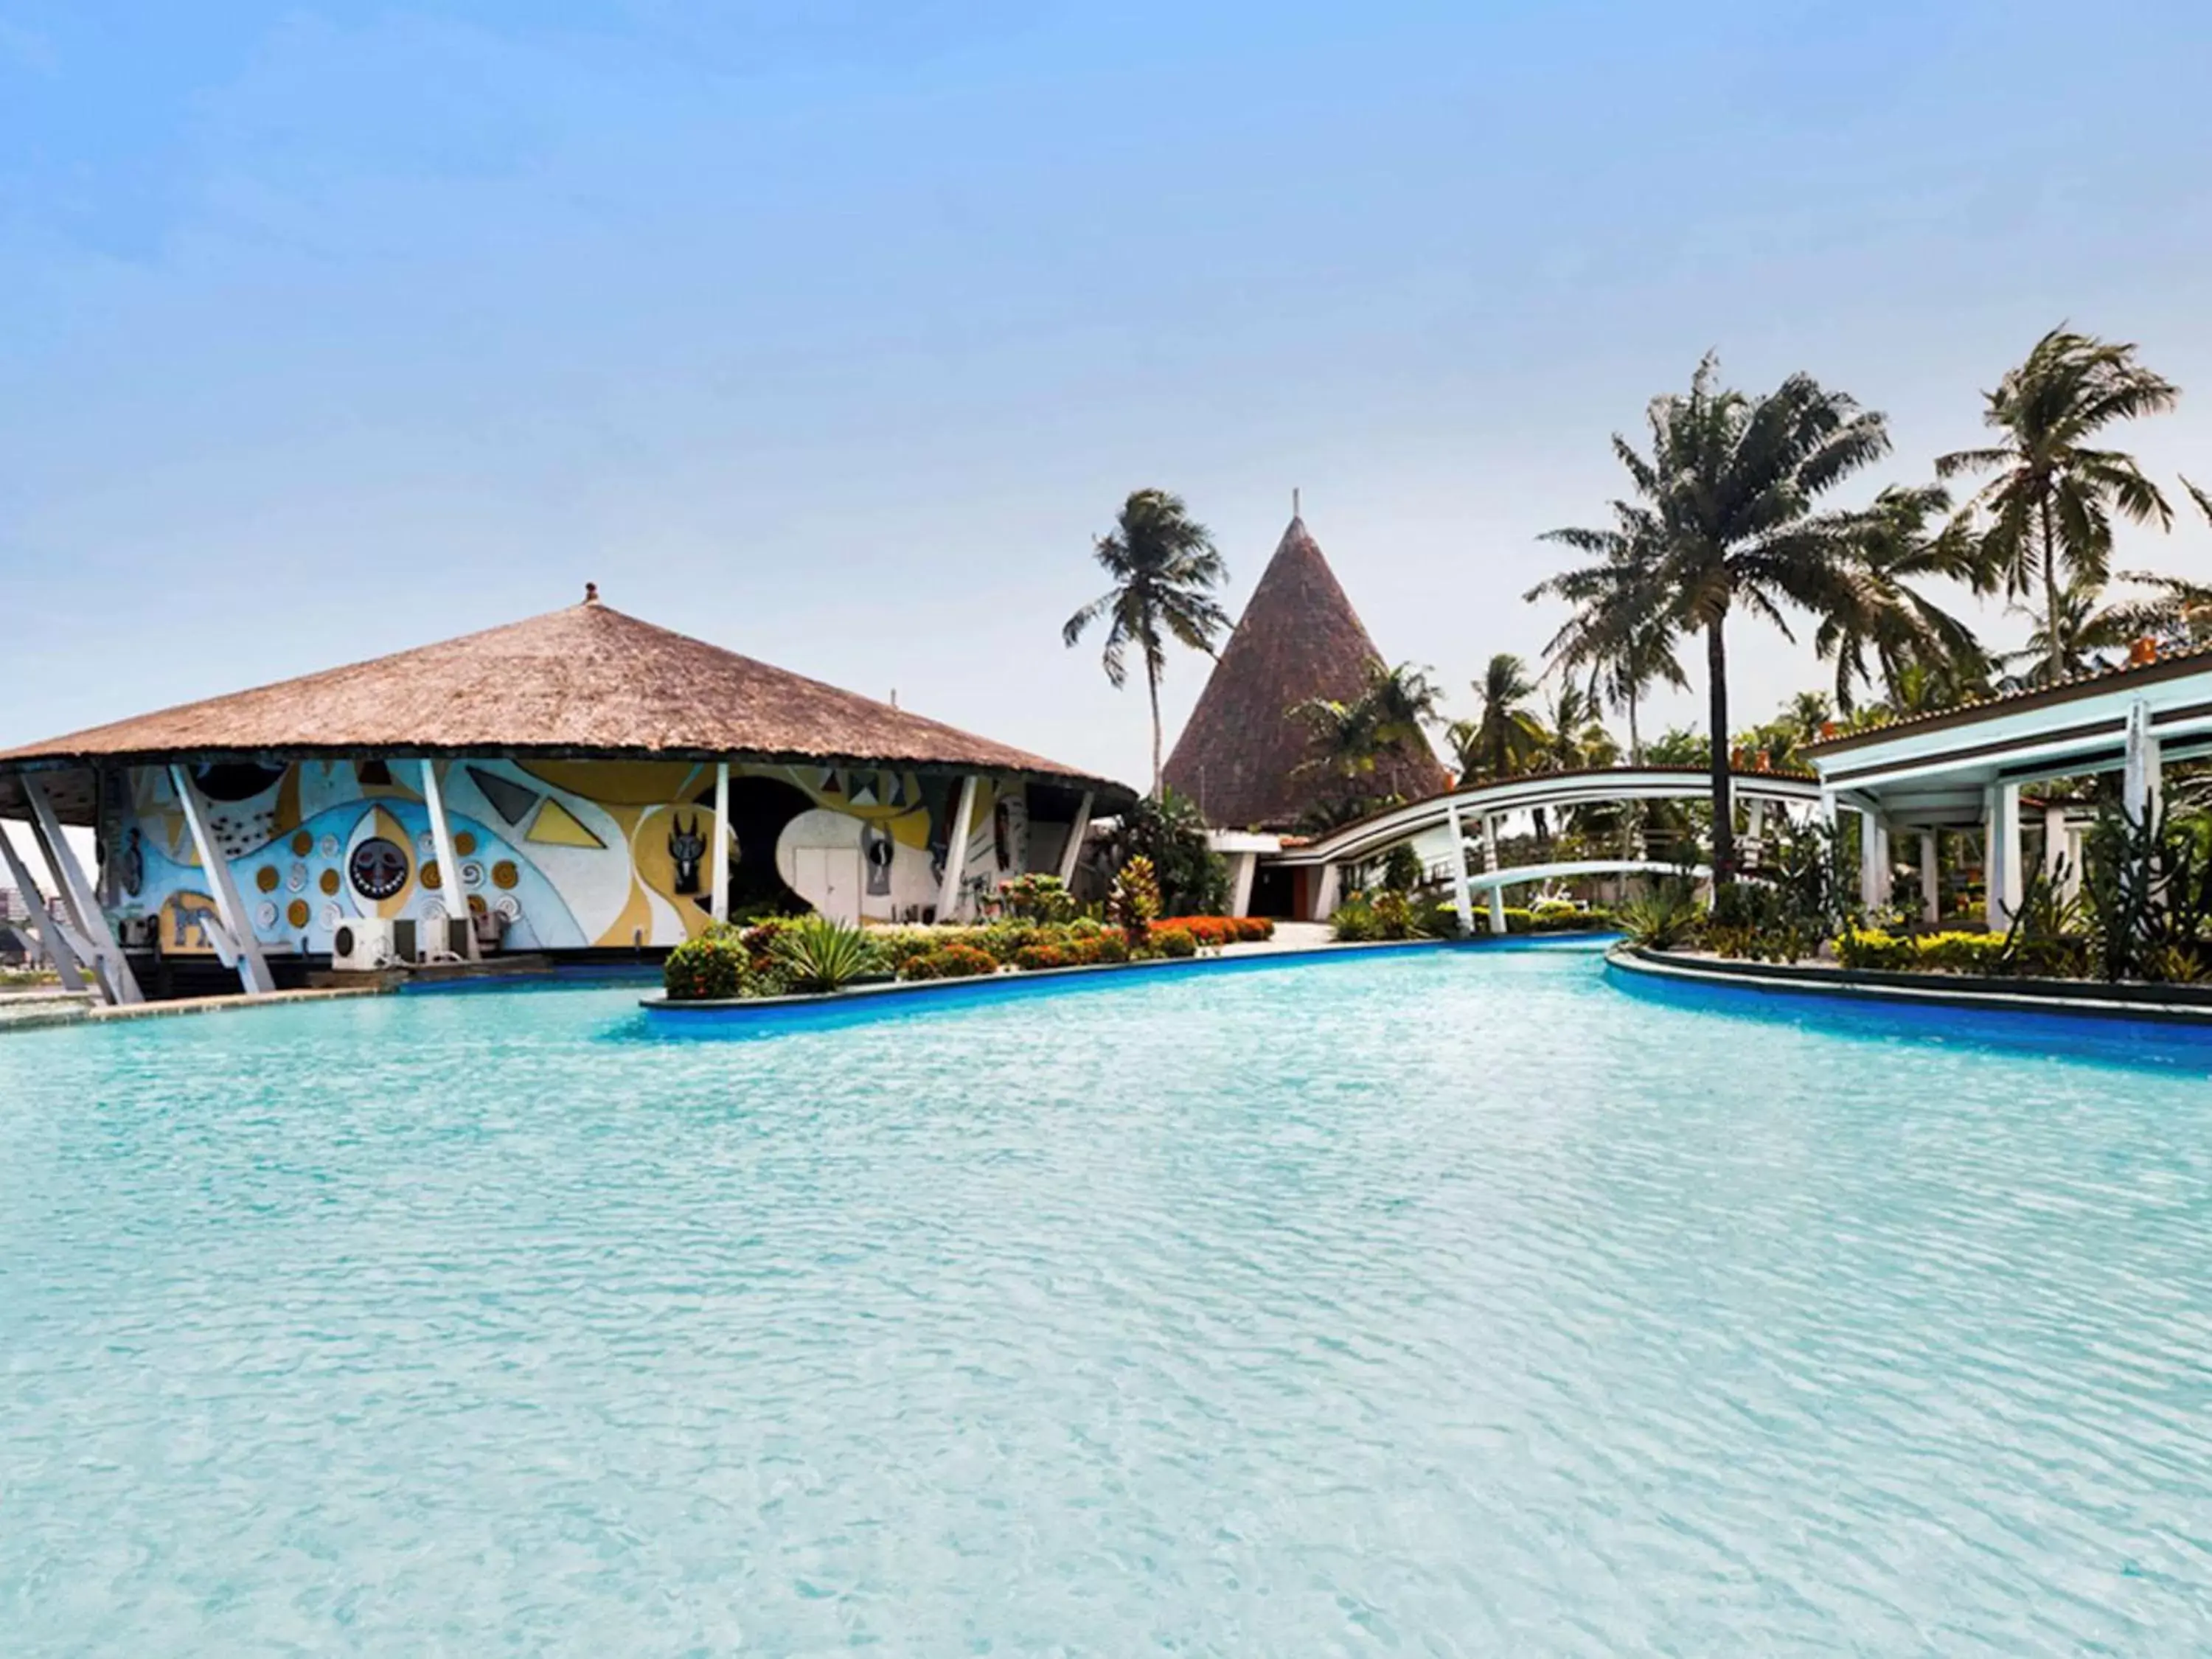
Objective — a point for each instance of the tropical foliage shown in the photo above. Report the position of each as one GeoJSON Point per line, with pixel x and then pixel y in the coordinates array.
{"type": "Point", "coordinates": [1170, 833]}
{"type": "Point", "coordinates": [2047, 514]}
{"type": "Point", "coordinates": [1165, 572]}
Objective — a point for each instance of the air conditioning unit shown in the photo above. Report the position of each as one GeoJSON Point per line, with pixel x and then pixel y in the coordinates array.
{"type": "Point", "coordinates": [363, 945]}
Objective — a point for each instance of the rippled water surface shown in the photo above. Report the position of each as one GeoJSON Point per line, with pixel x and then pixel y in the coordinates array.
{"type": "Point", "coordinates": [1439, 1303]}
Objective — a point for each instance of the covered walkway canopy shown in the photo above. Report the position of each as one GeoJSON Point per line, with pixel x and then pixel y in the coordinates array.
{"type": "Point", "coordinates": [1436, 828]}
{"type": "Point", "coordinates": [1965, 768]}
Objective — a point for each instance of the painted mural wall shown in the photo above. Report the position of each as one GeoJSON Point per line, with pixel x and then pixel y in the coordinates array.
{"type": "Point", "coordinates": [568, 855]}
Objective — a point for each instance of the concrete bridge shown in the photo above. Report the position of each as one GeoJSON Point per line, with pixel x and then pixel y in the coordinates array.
{"type": "Point", "coordinates": [1438, 829]}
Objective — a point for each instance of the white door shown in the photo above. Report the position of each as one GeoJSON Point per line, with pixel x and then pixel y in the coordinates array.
{"type": "Point", "coordinates": [829, 878]}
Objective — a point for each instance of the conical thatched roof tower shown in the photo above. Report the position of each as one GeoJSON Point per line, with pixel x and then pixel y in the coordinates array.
{"type": "Point", "coordinates": [1240, 755]}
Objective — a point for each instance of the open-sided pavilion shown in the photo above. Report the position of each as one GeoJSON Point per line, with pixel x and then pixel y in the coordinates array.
{"type": "Point", "coordinates": [1970, 769]}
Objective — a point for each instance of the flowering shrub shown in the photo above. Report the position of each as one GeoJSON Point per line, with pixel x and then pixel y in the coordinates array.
{"type": "Point", "coordinates": [952, 962]}
{"type": "Point", "coordinates": [1135, 899]}
{"type": "Point", "coordinates": [1037, 898]}
{"type": "Point", "coordinates": [1174, 942]}
{"type": "Point", "coordinates": [1944, 953]}
{"type": "Point", "coordinates": [711, 968]}
{"type": "Point", "coordinates": [1212, 932]}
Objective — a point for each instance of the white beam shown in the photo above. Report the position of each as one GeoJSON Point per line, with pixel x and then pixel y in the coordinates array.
{"type": "Point", "coordinates": [2001, 855]}
{"type": "Point", "coordinates": [949, 896]}
{"type": "Point", "coordinates": [1490, 867]}
{"type": "Point", "coordinates": [1461, 902]}
{"type": "Point", "coordinates": [720, 851]}
{"type": "Point", "coordinates": [1873, 862]}
{"type": "Point", "coordinates": [1325, 891]}
{"type": "Point", "coordinates": [454, 891]}
{"type": "Point", "coordinates": [1931, 879]}
{"type": "Point", "coordinates": [49, 935]}
{"type": "Point", "coordinates": [253, 971]}
{"type": "Point", "coordinates": [1072, 853]}
{"type": "Point", "coordinates": [77, 896]}
{"type": "Point", "coordinates": [1240, 884]}
{"type": "Point", "coordinates": [2141, 779]}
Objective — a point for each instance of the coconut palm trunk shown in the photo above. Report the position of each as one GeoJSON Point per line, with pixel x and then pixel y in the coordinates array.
{"type": "Point", "coordinates": [1716, 717]}
{"type": "Point", "coordinates": [1152, 685]}
{"type": "Point", "coordinates": [2050, 614]}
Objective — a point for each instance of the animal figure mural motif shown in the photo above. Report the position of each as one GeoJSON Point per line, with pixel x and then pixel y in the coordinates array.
{"type": "Point", "coordinates": [687, 847]}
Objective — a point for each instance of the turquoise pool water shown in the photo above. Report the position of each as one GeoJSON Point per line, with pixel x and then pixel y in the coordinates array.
{"type": "Point", "coordinates": [1443, 1303]}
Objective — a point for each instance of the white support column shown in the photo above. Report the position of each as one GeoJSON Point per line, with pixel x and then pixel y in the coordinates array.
{"type": "Point", "coordinates": [1825, 812]}
{"type": "Point", "coordinates": [1931, 879]}
{"type": "Point", "coordinates": [1240, 887]}
{"type": "Point", "coordinates": [1490, 866]}
{"type": "Point", "coordinates": [1071, 853]}
{"type": "Point", "coordinates": [78, 897]}
{"type": "Point", "coordinates": [1754, 839]}
{"type": "Point", "coordinates": [2140, 786]}
{"type": "Point", "coordinates": [49, 934]}
{"type": "Point", "coordinates": [1326, 891]}
{"type": "Point", "coordinates": [720, 850]}
{"type": "Point", "coordinates": [1874, 859]}
{"type": "Point", "coordinates": [453, 892]}
{"type": "Point", "coordinates": [253, 971]}
{"type": "Point", "coordinates": [2070, 888]}
{"type": "Point", "coordinates": [2001, 855]}
{"type": "Point", "coordinates": [1461, 901]}
{"type": "Point", "coordinates": [2054, 843]}
{"type": "Point", "coordinates": [956, 853]}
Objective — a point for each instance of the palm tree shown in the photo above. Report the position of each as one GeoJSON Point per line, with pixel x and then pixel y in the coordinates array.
{"type": "Point", "coordinates": [1730, 484]}
{"type": "Point", "coordinates": [1881, 614]}
{"type": "Point", "coordinates": [1388, 719]}
{"type": "Point", "coordinates": [2089, 638]}
{"type": "Point", "coordinates": [2050, 509]}
{"type": "Point", "coordinates": [1503, 738]}
{"type": "Point", "coordinates": [1621, 630]}
{"type": "Point", "coordinates": [1165, 572]}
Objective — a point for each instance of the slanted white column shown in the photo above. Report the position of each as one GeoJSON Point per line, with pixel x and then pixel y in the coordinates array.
{"type": "Point", "coordinates": [1826, 811]}
{"type": "Point", "coordinates": [1071, 853]}
{"type": "Point", "coordinates": [720, 851]}
{"type": "Point", "coordinates": [1931, 878]}
{"type": "Point", "coordinates": [1754, 839]}
{"type": "Point", "coordinates": [949, 896]}
{"type": "Point", "coordinates": [77, 896]}
{"type": "Point", "coordinates": [1240, 887]}
{"type": "Point", "coordinates": [2140, 785]}
{"type": "Point", "coordinates": [253, 971]}
{"type": "Point", "coordinates": [49, 935]}
{"type": "Point", "coordinates": [1490, 867]}
{"type": "Point", "coordinates": [454, 892]}
{"type": "Point", "coordinates": [2071, 887]}
{"type": "Point", "coordinates": [1461, 901]}
{"type": "Point", "coordinates": [2001, 855]}
{"type": "Point", "coordinates": [1326, 891]}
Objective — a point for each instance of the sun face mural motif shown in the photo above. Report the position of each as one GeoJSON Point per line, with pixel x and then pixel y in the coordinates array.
{"type": "Point", "coordinates": [378, 868]}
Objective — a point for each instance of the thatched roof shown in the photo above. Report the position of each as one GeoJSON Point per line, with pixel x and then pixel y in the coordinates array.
{"type": "Point", "coordinates": [1240, 755]}
{"type": "Point", "coordinates": [587, 682]}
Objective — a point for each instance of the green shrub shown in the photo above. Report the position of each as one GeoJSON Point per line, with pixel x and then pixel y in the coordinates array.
{"type": "Point", "coordinates": [952, 962]}
{"type": "Point", "coordinates": [1175, 942]}
{"type": "Point", "coordinates": [1666, 915]}
{"type": "Point", "coordinates": [1037, 898]}
{"type": "Point", "coordinates": [715, 967]}
{"type": "Point", "coordinates": [818, 953]}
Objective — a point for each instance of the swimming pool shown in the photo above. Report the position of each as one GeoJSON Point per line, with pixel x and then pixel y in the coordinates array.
{"type": "Point", "coordinates": [1453, 1302]}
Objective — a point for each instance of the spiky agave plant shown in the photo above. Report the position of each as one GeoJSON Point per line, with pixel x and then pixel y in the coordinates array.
{"type": "Point", "coordinates": [820, 953]}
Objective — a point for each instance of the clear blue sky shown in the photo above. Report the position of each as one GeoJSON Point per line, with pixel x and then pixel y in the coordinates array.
{"type": "Point", "coordinates": [834, 332]}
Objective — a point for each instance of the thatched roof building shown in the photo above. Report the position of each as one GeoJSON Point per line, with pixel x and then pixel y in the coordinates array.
{"type": "Point", "coordinates": [1242, 756]}
{"type": "Point", "coordinates": [585, 682]}
{"type": "Point", "coordinates": [560, 785]}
